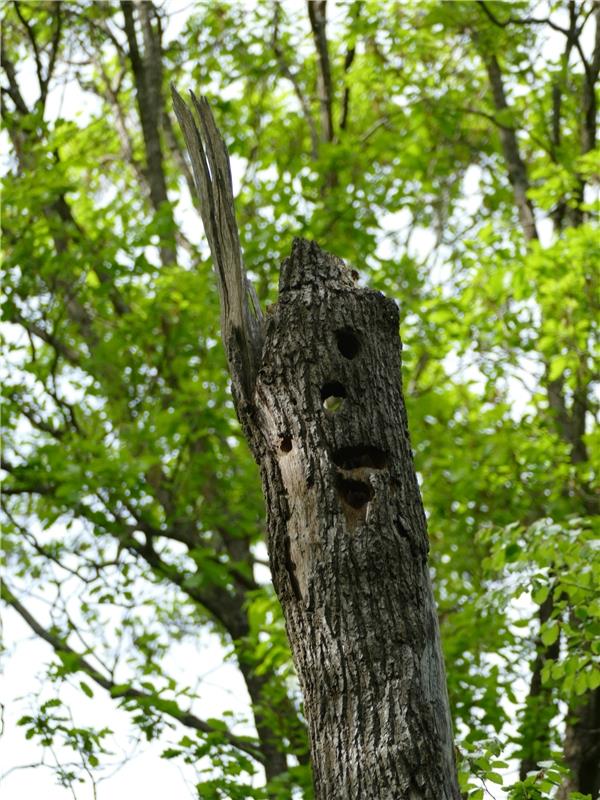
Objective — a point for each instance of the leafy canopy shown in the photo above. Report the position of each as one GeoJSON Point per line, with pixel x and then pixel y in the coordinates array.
{"type": "Point", "coordinates": [133, 514]}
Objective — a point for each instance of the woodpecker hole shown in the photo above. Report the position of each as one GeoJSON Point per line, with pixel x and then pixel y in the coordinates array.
{"type": "Point", "coordinates": [364, 455]}
{"type": "Point", "coordinates": [286, 444]}
{"type": "Point", "coordinates": [356, 493]}
{"type": "Point", "coordinates": [332, 396]}
{"type": "Point", "coordinates": [348, 343]}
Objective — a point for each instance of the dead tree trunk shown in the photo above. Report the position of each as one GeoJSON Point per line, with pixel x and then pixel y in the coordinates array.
{"type": "Point", "coordinates": [318, 391]}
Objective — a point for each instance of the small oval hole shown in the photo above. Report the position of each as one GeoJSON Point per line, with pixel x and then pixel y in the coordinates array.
{"type": "Point", "coordinates": [356, 493]}
{"type": "Point", "coordinates": [286, 444]}
{"type": "Point", "coordinates": [348, 342]}
{"type": "Point", "coordinates": [363, 455]}
{"type": "Point", "coordinates": [333, 394]}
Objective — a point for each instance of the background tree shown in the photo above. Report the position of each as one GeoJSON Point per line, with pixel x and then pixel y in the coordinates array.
{"type": "Point", "coordinates": [448, 151]}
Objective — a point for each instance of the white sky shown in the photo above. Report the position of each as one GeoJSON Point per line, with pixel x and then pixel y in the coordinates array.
{"type": "Point", "coordinates": [145, 774]}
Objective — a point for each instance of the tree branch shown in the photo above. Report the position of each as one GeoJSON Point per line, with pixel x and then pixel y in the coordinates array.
{"type": "Point", "coordinates": [13, 91]}
{"type": "Point", "coordinates": [31, 36]}
{"type": "Point", "coordinates": [318, 21]}
{"type": "Point", "coordinates": [43, 80]}
{"type": "Point", "coordinates": [348, 60]}
{"type": "Point", "coordinates": [517, 173]}
{"type": "Point", "coordinates": [68, 353]}
{"type": "Point", "coordinates": [147, 76]}
{"type": "Point", "coordinates": [589, 103]}
{"type": "Point", "coordinates": [41, 424]}
{"type": "Point", "coordinates": [521, 20]}
{"type": "Point", "coordinates": [54, 50]}
{"type": "Point", "coordinates": [121, 692]}
{"type": "Point", "coordinates": [287, 73]}
{"type": "Point", "coordinates": [537, 21]}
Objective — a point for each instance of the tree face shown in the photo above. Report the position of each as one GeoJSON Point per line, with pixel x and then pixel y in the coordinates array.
{"type": "Point", "coordinates": [347, 537]}
{"type": "Point", "coordinates": [417, 142]}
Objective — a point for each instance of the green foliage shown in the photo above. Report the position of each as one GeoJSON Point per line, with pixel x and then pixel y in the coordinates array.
{"type": "Point", "coordinates": [131, 503]}
{"type": "Point", "coordinates": [481, 768]}
{"type": "Point", "coordinates": [52, 724]}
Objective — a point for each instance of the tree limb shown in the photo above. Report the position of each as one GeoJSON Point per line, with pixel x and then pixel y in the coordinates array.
{"type": "Point", "coordinates": [13, 91]}
{"type": "Point", "coordinates": [537, 21]}
{"type": "Point", "coordinates": [318, 21]}
{"type": "Point", "coordinates": [147, 76]}
{"type": "Point", "coordinates": [33, 41]}
{"type": "Point", "coordinates": [589, 103]}
{"type": "Point", "coordinates": [121, 692]}
{"type": "Point", "coordinates": [348, 61]}
{"type": "Point", "coordinates": [287, 73]}
{"type": "Point", "coordinates": [69, 354]}
{"type": "Point", "coordinates": [517, 173]}
{"type": "Point", "coordinates": [54, 50]}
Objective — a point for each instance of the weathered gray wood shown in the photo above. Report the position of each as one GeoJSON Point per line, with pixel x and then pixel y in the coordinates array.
{"type": "Point", "coordinates": [347, 534]}
{"type": "Point", "coordinates": [240, 312]}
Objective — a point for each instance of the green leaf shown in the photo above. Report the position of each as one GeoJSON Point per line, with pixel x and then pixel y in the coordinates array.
{"type": "Point", "coordinates": [92, 280]}
{"type": "Point", "coordinates": [550, 633]}
{"type": "Point", "coordinates": [86, 689]}
{"type": "Point", "coordinates": [511, 551]}
{"type": "Point", "coordinates": [581, 683]}
{"type": "Point", "coordinates": [541, 594]}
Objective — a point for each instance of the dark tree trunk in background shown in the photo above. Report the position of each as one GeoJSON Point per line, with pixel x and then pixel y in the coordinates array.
{"type": "Point", "coordinates": [317, 389]}
{"type": "Point", "coordinates": [582, 747]}
{"type": "Point", "coordinates": [582, 732]}
{"type": "Point", "coordinates": [540, 705]}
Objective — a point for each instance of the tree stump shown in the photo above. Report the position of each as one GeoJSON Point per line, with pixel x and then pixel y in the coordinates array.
{"type": "Point", "coordinates": [317, 388]}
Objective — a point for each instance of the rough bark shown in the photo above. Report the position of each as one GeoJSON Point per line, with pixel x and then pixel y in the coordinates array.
{"type": "Point", "coordinates": [347, 537]}
{"type": "Point", "coordinates": [324, 415]}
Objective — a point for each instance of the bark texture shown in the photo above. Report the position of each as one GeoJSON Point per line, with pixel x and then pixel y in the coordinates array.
{"type": "Point", "coordinates": [347, 537]}
{"type": "Point", "coordinates": [321, 405]}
